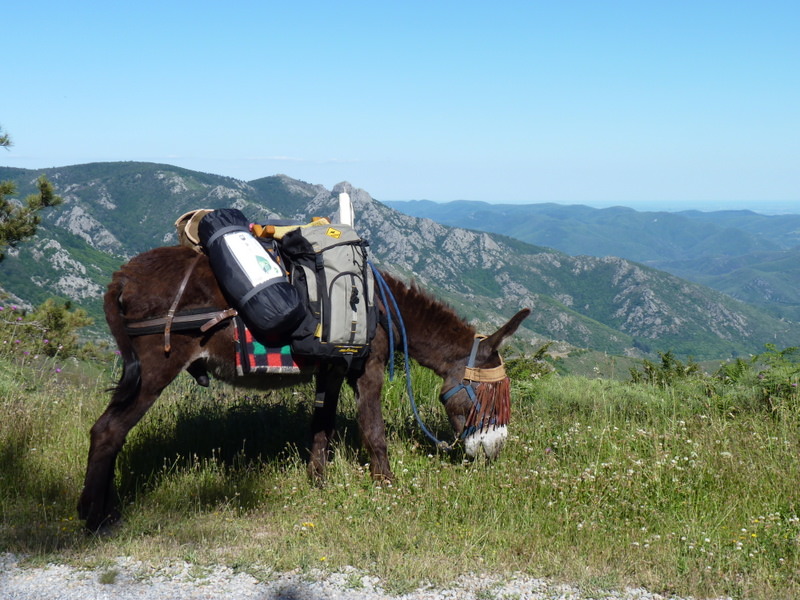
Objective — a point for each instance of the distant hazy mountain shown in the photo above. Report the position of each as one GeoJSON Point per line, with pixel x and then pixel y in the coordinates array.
{"type": "Point", "coordinates": [114, 210]}
{"type": "Point", "coordinates": [750, 256]}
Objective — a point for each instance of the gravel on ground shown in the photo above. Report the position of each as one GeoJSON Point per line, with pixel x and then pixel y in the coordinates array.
{"type": "Point", "coordinates": [127, 579]}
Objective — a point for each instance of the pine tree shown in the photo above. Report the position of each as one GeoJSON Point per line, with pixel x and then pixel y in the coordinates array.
{"type": "Point", "coordinates": [19, 221]}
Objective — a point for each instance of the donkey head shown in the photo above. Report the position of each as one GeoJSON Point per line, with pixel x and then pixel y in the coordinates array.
{"type": "Point", "coordinates": [477, 395]}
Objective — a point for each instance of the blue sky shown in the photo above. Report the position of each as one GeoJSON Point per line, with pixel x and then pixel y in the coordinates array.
{"type": "Point", "coordinates": [645, 104]}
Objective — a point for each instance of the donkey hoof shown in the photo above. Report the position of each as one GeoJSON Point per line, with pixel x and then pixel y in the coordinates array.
{"type": "Point", "coordinates": [104, 526]}
{"type": "Point", "coordinates": [316, 474]}
{"type": "Point", "coordinates": [385, 478]}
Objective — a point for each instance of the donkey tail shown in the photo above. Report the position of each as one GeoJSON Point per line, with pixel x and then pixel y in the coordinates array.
{"type": "Point", "coordinates": [130, 381]}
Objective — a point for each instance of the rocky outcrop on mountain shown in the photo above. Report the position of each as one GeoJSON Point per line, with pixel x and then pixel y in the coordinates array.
{"type": "Point", "coordinates": [52, 267]}
{"type": "Point", "coordinates": [78, 221]}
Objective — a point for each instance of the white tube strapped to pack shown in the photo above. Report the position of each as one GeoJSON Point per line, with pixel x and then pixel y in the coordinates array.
{"type": "Point", "coordinates": [346, 214]}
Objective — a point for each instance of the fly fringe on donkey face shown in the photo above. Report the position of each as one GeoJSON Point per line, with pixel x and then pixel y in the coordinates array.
{"type": "Point", "coordinates": [489, 393]}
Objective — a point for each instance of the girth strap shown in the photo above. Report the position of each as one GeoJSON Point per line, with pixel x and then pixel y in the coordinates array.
{"type": "Point", "coordinates": [202, 319]}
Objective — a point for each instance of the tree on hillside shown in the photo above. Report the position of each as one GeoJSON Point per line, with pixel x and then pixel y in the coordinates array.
{"type": "Point", "coordinates": [18, 221]}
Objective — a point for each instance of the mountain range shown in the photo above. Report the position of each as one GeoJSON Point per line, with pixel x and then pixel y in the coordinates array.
{"type": "Point", "coordinates": [749, 256]}
{"type": "Point", "coordinates": [605, 302]}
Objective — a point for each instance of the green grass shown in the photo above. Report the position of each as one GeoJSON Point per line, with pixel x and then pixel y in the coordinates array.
{"type": "Point", "coordinates": [689, 489]}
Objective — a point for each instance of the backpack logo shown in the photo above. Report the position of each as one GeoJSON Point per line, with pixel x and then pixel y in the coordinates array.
{"type": "Point", "coordinates": [334, 233]}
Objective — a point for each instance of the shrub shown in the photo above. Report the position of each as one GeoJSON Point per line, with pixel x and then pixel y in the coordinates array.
{"type": "Point", "coordinates": [523, 368]}
{"type": "Point", "coordinates": [49, 330]}
{"type": "Point", "coordinates": [667, 372]}
{"type": "Point", "coordinates": [779, 377]}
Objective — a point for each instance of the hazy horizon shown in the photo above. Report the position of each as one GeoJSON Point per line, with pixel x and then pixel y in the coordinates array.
{"type": "Point", "coordinates": [765, 207]}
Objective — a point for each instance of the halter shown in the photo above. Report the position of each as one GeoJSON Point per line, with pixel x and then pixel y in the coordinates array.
{"type": "Point", "coordinates": [490, 403]}
{"type": "Point", "coordinates": [486, 410]}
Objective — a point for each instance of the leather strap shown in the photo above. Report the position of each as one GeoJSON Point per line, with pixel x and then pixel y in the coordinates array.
{"type": "Point", "coordinates": [218, 318]}
{"type": "Point", "coordinates": [171, 313]}
{"type": "Point", "coordinates": [203, 320]}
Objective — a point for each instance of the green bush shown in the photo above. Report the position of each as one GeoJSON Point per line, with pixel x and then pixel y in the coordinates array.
{"type": "Point", "coordinates": [666, 372]}
{"type": "Point", "coordinates": [51, 329]}
{"type": "Point", "coordinates": [522, 368]}
{"type": "Point", "coordinates": [778, 378]}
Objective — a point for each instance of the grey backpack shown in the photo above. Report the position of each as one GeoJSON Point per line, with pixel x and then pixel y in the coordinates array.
{"type": "Point", "coordinates": [331, 272]}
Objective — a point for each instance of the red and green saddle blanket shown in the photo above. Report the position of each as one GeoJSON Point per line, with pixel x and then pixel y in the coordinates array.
{"type": "Point", "coordinates": [253, 356]}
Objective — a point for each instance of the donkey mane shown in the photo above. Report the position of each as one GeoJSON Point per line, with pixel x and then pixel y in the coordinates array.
{"type": "Point", "coordinates": [431, 318]}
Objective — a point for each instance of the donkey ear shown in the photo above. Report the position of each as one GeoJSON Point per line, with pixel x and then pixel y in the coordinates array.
{"type": "Point", "coordinates": [493, 342]}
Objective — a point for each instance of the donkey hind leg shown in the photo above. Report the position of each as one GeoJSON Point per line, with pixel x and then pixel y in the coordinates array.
{"type": "Point", "coordinates": [329, 381]}
{"type": "Point", "coordinates": [98, 503]}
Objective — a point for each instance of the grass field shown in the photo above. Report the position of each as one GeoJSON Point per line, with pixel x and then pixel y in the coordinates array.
{"type": "Point", "coordinates": [685, 487]}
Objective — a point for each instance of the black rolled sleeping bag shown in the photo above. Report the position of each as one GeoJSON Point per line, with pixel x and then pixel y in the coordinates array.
{"type": "Point", "coordinates": [254, 283]}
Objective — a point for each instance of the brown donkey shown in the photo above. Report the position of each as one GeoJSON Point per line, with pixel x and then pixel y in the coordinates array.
{"type": "Point", "coordinates": [155, 284]}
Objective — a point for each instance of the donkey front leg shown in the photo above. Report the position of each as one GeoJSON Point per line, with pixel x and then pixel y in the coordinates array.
{"type": "Point", "coordinates": [323, 421]}
{"type": "Point", "coordinates": [368, 389]}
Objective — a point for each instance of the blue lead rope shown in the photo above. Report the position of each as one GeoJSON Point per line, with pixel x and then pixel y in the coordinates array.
{"type": "Point", "coordinates": [386, 293]}
{"type": "Point", "coordinates": [383, 288]}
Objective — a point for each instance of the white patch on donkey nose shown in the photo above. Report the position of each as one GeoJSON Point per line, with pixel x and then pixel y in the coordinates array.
{"type": "Point", "coordinates": [491, 440]}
